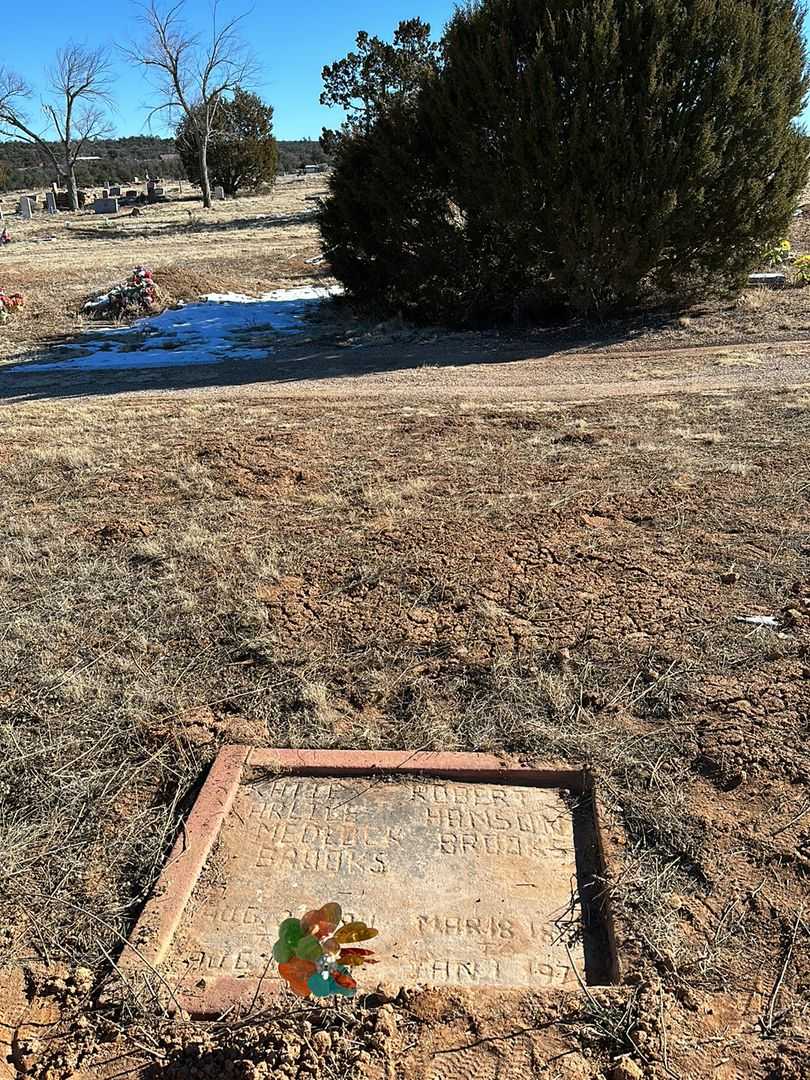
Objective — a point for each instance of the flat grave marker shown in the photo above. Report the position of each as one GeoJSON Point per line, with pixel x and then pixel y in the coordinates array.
{"type": "Point", "coordinates": [469, 883]}
{"type": "Point", "coordinates": [774, 280]}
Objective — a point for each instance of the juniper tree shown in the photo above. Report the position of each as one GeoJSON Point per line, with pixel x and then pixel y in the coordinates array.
{"type": "Point", "coordinates": [597, 151]}
{"type": "Point", "coordinates": [625, 142]}
{"type": "Point", "coordinates": [387, 231]}
{"type": "Point", "coordinates": [242, 151]}
{"type": "Point", "coordinates": [376, 74]}
{"type": "Point", "coordinates": [385, 228]}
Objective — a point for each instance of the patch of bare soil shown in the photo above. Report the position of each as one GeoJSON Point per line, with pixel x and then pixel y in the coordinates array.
{"type": "Point", "coordinates": [417, 1035]}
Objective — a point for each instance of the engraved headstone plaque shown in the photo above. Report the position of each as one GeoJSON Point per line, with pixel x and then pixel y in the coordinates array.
{"type": "Point", "coordinates": [470, 884]}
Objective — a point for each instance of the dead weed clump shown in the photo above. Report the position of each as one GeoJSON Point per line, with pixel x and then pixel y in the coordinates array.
{"type": "Point", "coordinates": [90, 801]}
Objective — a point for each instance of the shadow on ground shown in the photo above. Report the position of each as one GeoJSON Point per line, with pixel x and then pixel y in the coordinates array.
{"type": "Point", "coordinates": [334, 346]}
{"type": "Point", "coordinates": [152, 229]}
{"type": "Point", "coordinates": [285, 364]}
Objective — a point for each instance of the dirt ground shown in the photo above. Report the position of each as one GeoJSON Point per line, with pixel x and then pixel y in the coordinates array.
{"type": "Point", "coordinates": [537, 545]}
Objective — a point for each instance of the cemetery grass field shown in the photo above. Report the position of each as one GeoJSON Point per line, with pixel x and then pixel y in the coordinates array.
{"type": "Point", "coordinates": [537, 546]}
{"type": "Point", "coordinates": [243, 245]}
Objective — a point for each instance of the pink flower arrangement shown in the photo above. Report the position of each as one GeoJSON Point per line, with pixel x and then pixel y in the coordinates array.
{"type": "Point", "coordinates": [137, 295]}
{"type": "Point", "coordinates": [9, 302]}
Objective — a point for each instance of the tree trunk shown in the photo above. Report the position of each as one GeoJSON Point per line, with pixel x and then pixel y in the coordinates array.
{"type": "Point", "coordinates": [72, 187]}
{"type": "Point", "coordinates": [205, 183]}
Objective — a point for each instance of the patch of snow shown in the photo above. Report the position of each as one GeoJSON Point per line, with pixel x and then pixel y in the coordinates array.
{"type": "Point", "coordinates": [99, 301]}
{"type": "Point", "coordinates": [303, 292]}
{"type": "Point", "coordinates": [225, 326]}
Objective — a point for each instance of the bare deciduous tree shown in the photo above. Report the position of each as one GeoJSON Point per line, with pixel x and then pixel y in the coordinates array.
{"type": "Point", "coordinates": [193, 75]}
{"type": "Point", "coordinates": [74, 109]}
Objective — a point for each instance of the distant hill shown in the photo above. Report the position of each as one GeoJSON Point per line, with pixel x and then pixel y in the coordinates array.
{"type": "Point", "coordinates": [119, 160]}
{"type": "Point", "coordinates": [295, 153]}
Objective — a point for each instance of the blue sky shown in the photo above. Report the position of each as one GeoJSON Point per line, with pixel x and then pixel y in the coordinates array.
{"type": "Point", "coordinates": [292, 42]}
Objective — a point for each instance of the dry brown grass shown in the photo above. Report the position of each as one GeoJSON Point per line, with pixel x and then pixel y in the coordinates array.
{"type": "Point", "coordinates": [176, 577]}
{"type": "Point", "coordinates": [436, 555]}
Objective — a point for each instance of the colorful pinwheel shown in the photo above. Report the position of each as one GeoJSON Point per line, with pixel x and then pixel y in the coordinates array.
{"type": "Point", "coordinates": [311, 953]}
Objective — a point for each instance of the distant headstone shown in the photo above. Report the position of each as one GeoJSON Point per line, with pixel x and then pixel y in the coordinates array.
{"type": "Point", "coordinates": [26, 208]}
{"type": "Point", "coordinates": [105, 193]}
{"type": "Point", "coordinates": [768, 281]}
{"type": "Point", "coordinates": [105, 206]}
{"type": "Point", "coordinates": [50, 202]}
{"type": "Point", "coordinates": [219, 192]}
{"type": "Point", "coordinates": [131, 194]}
{"type": "Point", "coordinates": [114, 190]}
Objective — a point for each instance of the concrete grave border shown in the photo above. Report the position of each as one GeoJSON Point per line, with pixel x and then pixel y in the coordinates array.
{"type": "Point", "coordinates": [153, 933]}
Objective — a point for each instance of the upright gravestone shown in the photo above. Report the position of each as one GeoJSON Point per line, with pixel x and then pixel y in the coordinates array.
{"type": "Point", "coordinates": [114, 190]}
{"type": "Point", "coordinates": [26, 208]}
{"type": "Point", "coordinates": [105, 206]}
{"type": "Point", "coordinates": [50, 202]}
{"type": "Point", "coordinates": [219, 192]}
